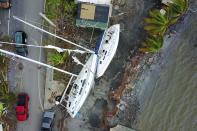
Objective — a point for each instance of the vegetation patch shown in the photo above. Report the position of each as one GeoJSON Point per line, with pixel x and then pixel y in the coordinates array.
{"type": "Point", "coordinates": [7, 98]}
{"type": "Point", "coordinates": [52, 8]}
{"type": "Point", "coordinates": [63, 14]}
{"type": "Point", "coordinates": [159, 21]}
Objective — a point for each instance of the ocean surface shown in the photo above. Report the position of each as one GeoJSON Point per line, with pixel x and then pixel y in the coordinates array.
{"type": "Point", "coordinates": [167, 92]}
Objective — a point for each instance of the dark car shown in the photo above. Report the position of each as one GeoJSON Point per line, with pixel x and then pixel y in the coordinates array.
{"type": "Point", "coordinates": [48, 120]}
{"type": "Point", "coordinates": [5, 4]}
{"type": "Point", "coordinates": [22, 107]}
{"type": "Point", "coordinates": [21, 38]}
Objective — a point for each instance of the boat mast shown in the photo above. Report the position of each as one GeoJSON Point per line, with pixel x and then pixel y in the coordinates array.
{"type": "Point", "coordinates": [37, 62]}
{"type": "Point", "coordinates": [33, 26]}
{"type": "Point", "coordinates": [58, 49]}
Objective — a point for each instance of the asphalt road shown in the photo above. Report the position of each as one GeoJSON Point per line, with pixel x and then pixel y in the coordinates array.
{"type": "Point", "coordinates": [4, 20]}
{"type": "Point", "coordinates": [32, 78]}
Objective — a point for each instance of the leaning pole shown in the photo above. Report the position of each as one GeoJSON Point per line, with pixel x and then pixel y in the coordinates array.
{"type": "Point", "coordinates": [42, 30]}
{"type": "Point", "coordinates": [37, 62]}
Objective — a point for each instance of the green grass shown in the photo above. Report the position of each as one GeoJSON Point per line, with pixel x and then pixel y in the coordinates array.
{"type": "Point", "coordinates": [52, 8]}
{"type": "Point", "coordinates": [55, 8]}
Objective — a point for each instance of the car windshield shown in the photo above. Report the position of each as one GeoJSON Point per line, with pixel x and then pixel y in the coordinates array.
{"type": "Point", "coordinates": [45, 129]}
{"type": "Point", "coordinates": [20, 113]}
{"type": "Point", "coordinates": [47, 120]}
{"type": "Point", "coordinates": [21, 100]}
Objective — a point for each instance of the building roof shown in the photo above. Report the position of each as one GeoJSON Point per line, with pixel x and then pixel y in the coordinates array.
{"type": "Point", "coordinates": [87, 11]}
{"type": "Point", "coordinates": [121, 128]}
{"type": "Point", "coordinates": [90, 15]}
{"type": "Point", "coordinates": [167, 1]}
{"type": "Point", "coordinates": [105, 2]}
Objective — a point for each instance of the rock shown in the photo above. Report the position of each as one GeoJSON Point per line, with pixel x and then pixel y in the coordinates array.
{"type": "Point", "coordinates": [121, 2]}
{"type": "Point", "coordinates": [150, 60]}
{"type": "Point", "coordinates": [116, 7]}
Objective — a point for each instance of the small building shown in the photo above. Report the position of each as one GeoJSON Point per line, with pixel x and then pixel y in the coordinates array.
{"type": "Point", "coordinates": [166, 1]}
{"type": "Point", "coordinates": [121, 128]}
{"type": "Point", "coordinates": [93, 13]}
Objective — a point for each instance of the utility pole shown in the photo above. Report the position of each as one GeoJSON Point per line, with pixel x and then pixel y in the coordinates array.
{"type": "Point", "coordinates": [42, 30]}
{"type": "Point", "coordinates": [37, 62]}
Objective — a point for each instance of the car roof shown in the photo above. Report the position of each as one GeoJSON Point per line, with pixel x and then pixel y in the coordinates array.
{"type": "Point", "coordinates": [46, 122]}
{"type": "Point", "coordinates": [18, 37]}
{"type": "Point", "coordinates": [49, 114]}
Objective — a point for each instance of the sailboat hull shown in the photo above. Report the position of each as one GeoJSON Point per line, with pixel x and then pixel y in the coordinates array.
{"type": "Point", "coordinates": [82, 86]}
{"type": "Point", "coordinates": [107, 49]}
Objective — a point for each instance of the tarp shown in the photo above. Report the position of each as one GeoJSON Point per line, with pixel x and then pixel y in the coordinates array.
{"type": "Point", "coordinates": [106, 2]}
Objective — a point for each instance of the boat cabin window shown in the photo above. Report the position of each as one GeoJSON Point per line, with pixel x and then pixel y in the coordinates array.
{"type": "Point", "coordinates": [84, 81]}
{"type": "Point", "coordinates": [69, 89]}
{"type": "Point", "coordinates": [69, 104]}
{"type": "Point", "coordinates": [100, 62]}
{"type": "Point", "coordinates": [80, 91]}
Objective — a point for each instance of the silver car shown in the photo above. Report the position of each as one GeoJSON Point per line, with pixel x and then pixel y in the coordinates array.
{"type": "Point", "coordinates": [48, 120]}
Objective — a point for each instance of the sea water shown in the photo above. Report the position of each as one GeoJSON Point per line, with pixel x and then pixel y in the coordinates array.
{"type": "Point", "coordinates": [168, 94]}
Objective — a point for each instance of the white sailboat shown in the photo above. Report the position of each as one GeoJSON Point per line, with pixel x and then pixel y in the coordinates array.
{"type": "Point", "coordinates": [96, 65]}
{"type": "Point", "coordinates": [107, 49]}
{"type": "Point", "coordinates": [81, 86]}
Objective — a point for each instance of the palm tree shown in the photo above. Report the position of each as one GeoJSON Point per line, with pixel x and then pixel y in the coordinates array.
{"type": "Point", "coordinates": [2, 108]}
{"type": "Point", "coordinates": [157, 23]}
{"type": "Point", "coordinates": [56, 59]}
{"type": "Point", "coordinates": [152, 44]}
{"type": "Point", "coordinates": [175, 9]}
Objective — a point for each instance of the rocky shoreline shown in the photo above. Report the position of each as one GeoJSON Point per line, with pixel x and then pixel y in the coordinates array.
{"type": "Point", "coordinates": [128, 69]}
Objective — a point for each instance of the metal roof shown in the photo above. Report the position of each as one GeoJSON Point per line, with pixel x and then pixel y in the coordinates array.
{"type": "Point", "coordinates": [90, 15]}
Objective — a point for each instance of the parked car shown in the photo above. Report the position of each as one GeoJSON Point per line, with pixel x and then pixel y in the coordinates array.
{"type": "Point", "coordinates": [21, 38]}
{"type": "Point", "coordinates": [5, 4]}
{"type": "Point", "coordinates": [48, 120]}
{"type": "Point", "coordinates": [22, 107]}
